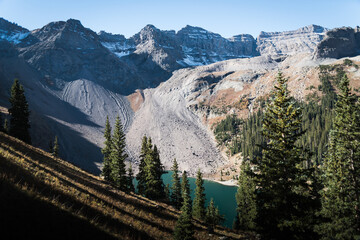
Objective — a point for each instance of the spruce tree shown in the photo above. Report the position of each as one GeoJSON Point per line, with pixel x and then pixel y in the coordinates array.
{"type": "Point", "coordinates": [55, 152]}
{"type": "Point", "coordinates": [176, 195]}
{"type": "Point", "coordinates": [167, 193]}
{"type": "Point", "coordinates": [51, 146]}
{"type": "Point", "coordinates": [154, 187]}
{"type": "Point", "coordinates": [283, 197]}
{"type": "Point", "coordinates": [141, 174]}
{"type": "Point", "coordinates": [213, 216]}
{"type": "Point", "coordinates": [19, 113]}
{"type": "Point", "coordinates": [246, 200]}
{"type": "Point", "coordinates": [130, 184]}
{"type": "Point", "coordinates": [118, 156]}
{"type": "Point", "coordinates": [106, 151]}
{"type": "Point", "coordinates": [184, 229]}
{"type": "Point", "coordinates": [341, 193]}
{"type": "Point", "coordinates": [199, 210]}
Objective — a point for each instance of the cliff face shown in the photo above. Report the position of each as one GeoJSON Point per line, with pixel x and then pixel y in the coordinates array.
{"type": "Point", "coordinates": [339, 42]}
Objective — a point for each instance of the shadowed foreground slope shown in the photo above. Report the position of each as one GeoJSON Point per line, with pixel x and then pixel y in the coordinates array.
{"type": "Point", "coordinates": [45, 197]}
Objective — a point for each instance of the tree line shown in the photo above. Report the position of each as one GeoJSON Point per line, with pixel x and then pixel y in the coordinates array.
{"type": "Point", "coordinates": [281, 195]}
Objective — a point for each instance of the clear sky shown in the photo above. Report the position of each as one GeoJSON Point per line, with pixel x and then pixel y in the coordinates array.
{"type": "Point", "coordinates": [226, 17]}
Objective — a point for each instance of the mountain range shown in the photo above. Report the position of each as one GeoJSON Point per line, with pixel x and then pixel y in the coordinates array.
{"type": "Point", "coordinates": [172, 86]}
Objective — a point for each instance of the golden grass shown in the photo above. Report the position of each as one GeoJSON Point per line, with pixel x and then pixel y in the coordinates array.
{"type": "Point", "coordinates": [88, 197]}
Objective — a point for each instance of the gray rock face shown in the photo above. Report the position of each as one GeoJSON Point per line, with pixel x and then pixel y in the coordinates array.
{"type": "Point", "coordinates": [303, 40]}
{"type": "Point", "coordinates": [12, 32]}
{"type": "Point", "coordinates": [339, 42]}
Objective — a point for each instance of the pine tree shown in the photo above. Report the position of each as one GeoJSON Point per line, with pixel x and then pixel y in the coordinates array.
{"type": "Point", "coordinates": [106, 151]}
{"type": "Point", "coordinates": [55, 152]}
{"type": "Point", "coordinates": [176, 195]}
{"type": "Point", "coordinates": [213, 216]}
{"type": "Point", "coordinates": [130, 184]}
{"type": "Point", "coordinates": [154, 187]}
{"type": "Point", "coordinates": [185, 190]}
{"type": "Point", "coordinates": [141, 174]}
{"type": "Point", "coordinates": [184, 229]}
{"type": "Point", "coordinates": [19, 113]}
{"type": "Point", "coordinates": [283, 198]}
{"type": "Point", "coordinates": [118, 157]}
{"type": "Point", "coordinates": [199, 210]}
{"type": "Point", "coordinates": [246, 200]}
{"type": "Point", "coordinates": [340, 196]}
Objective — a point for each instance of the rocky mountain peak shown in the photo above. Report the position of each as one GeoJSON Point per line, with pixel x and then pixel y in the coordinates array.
{"type": "Point", "coordinates": [12, 32]}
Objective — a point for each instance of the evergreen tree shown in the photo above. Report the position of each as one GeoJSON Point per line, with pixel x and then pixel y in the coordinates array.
{"type": "Point", "coordinates": [283, 198]}
{"type": "Point", "coordinates": [19, 113]}
{"type": "Point", "coordinates": [176, 195]}
{"type": "Point", "coordinates": [130, 184]}
{"type": "Point", "coordinates": [246, 200]}
{"type": "Point", "coordinates": [141, 174]}
{"type": "Point", "coordinates": [154, 187]}
{"type": "Point", "coordinates": [341, 193]}
{"type": "Point", "coordinates": [184, 229]}
{"type": "Point", "coordinates": [213, 216]}
{"type": "Point", "coordinates": [199, 210]}
{"type": "Point", "coordinates": [185, 190]}
{"type": "Point", "coordinates": [118, 157]}
{"type": "Point", "coordinates": [106, 151]}
{"type": "Point", "coordinates": [55, 152]}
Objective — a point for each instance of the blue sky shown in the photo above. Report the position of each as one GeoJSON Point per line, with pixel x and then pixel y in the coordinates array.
{"type": "Point", "coordinates": [226, 17]}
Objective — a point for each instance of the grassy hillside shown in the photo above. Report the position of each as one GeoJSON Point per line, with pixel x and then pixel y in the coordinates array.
{"type": "Point", "coordinates": [46, 197]}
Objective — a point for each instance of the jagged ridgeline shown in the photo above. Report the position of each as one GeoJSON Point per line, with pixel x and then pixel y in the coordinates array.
{"type": "Point", "coordinates": [244, 135]}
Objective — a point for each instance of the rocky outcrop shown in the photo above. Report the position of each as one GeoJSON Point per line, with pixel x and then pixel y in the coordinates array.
{"type": "Point", "coordinates": [339, 42]}
{"type": "Point", "coordinates": [303, 40]}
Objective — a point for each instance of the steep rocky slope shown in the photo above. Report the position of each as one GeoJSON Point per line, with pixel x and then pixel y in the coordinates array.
{"type": "Point", "coordinates": [302, 40]}
{"type": "Point", "coordinates": [339, 42]}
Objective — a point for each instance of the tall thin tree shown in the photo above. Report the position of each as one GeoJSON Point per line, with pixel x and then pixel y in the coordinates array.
{"type": "Point", "coordinates": [141, 174]}
{"type": "Point", "coordinates": [55, 152]}
{"type": "Point", "coordinates": [19, 113]}
{"type": "Point", "coordinates": [199, 210]}
{"type": "Point", "coordinates": [106, 151]}
{"type": "Point", "coordinates": [184, 229]}
{"type": "Point", "coordinates": [176, 195]}
{"type": "Point", "coordinates": [130, 179]}
{"type": "Point", "coordinates": [118, 156]}
{"type": "Point", "coordinates": [282, 183]}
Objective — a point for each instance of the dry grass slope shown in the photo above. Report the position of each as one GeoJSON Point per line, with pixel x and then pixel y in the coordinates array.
{"type": "Point", "coordinates": [46, 197]}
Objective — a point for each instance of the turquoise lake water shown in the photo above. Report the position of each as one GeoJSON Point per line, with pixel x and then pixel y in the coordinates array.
{"type": "Point", "coordinates": [224, 196]}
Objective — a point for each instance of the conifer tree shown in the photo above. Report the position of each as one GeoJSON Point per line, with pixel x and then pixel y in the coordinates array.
{"type": "Point", "coordinates": [106, 151]}
{"type": "Point", "coordinates": [130, 184]}
{"type": "Point", "coordinates": [154, 187]}
{"type": "Point", "coordinates": [213, 216]}
{"type": "Point", "coordinates": [55, 152]}
{"type": "Point", "coordinates": [199, 210]}
{"type": "Point", "coordinates": [19, 113]}
{"type": "Point", "coordinates": [184, 229]}
{"type": "Point", "coordinates": [141, 174]}
{"type": "Point", "coordinates": [282, 183]}
{"type": "Point", "coordinates": [176, 195]}
{"type": "Point", "coordinates": [118, 157]}
{"type": "Point", "coordinates": [341, 193]}
{"type": "Point", "coordinates": [246, 200]}
{"type": "Point", "coordinates": [51, 146]}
